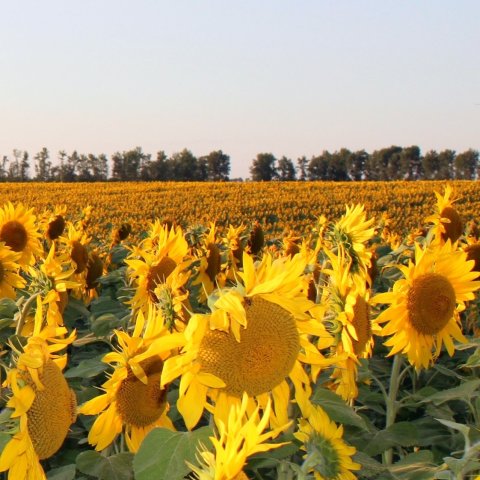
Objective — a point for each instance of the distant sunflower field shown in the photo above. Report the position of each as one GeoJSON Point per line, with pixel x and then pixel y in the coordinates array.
{"type": "Point", "coordinates": [234, 331]}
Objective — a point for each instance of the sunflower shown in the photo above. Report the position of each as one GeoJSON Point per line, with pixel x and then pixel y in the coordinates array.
{"type": "Point", "coordinates": [152, 266]}
{"type": "Point", "coordinates": [349, 322]}
{"type": "Point", "coordinates": [351, 234]}
{"type": "Point", "coordinates": [133, 402]}
{"type": "Point", "coordinates": [9, 277]}
{"type": "Point", "coordinates": [241, 436]}
{"type": "Point", "coordinates": [425, 305]}
{"type": "Point", "coordinates": [327, 456]}
{"type": "Point", "coordinates": [448, 224]}
{"type": "Point", "coordinates": [210, 263]}
{"type": "Point", "coordinates": [52, 279]}
{"type": "Point", "coordinates": [75, 243]}
{"type": "Point", "coordinates": [43, 406]}
{"type": "Point", "coordinates": [54, 223]}
{"type": "Point", "coordinates": [18, 231]}
{"type": "Point", "coordinates": [258, 335]}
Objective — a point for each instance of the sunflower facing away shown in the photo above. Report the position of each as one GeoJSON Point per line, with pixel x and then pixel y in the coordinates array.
{"type": "Point", "coordinates": [259, 335]}
{"type": "Point", "coordinates": [351, 234]}
{"type": "Point", "coordinates": [239, 437]}
{"type": "Point", "coordinates": [348, 318]}
{"type": "Point", "coordinates": [424, 306]}
{"type": "Point", "coordinates": [165, 255]}
{"type": "Point", "coordinates": [43, 406]}
{"type": "Point", "coordinates": [133, 402]}
{"type": "Point", "coordinates": [18, 231]}
{"type": "Point", "coordinates": [448, 224]}
{"type": "Point", "coordinates": [327, 456]}
{"type": "Point", "coordinates": [9, 277]}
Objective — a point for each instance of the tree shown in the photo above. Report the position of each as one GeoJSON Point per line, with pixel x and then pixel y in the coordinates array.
{"type": "Point", "coordinates": [185, 166]}
{"type": "Point", "coordinates": [411, 163]}
{"type": "Point", "coordinates": [43, 166]}
{"type": "Point", "coordinates": [128, 164]}
{"type": "Point", "coordinates": [286, 170]}
{"type": "Point", "coordinates": [356, 165]}
{"type": "Point", "coordinates": [24, 167]}
{"type": "Point", "coordinates": [263, 168]}
{"type": "Point", "coordinates": [302, 164]}
{"type": "Point", "coordinates": [446, 161]}
{"type": "Point", "coordinates": [430, 165]}
{"type": "Point", "coordinates": [466, 165]}
{"type": "Point", "coordinates": [318, 167]}
{"type": "Point", "coordinates": [218, 166]}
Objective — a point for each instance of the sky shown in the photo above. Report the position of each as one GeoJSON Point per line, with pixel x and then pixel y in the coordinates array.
{"type": "Point", "coordinates": [292, 78]}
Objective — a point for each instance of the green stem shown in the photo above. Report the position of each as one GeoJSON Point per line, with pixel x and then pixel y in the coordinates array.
{"type": "Point", "coordinates": [391, 404]}
{"type": "Point", "coordinates": [25, 311]}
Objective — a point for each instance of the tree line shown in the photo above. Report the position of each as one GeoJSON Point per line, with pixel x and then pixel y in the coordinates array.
{"type": "Point", "coordinates": [391, 163]}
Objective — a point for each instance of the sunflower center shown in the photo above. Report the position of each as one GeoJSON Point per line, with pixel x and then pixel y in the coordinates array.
{"type": "Point", "coordinates": [138, 404]}
{"type": "Point", "coordinates": [361, 322]}
{"type": "Point", "coordinates": [14, 235]}
{"type": "Point", "coordinates": [430, 303]}
{"type": "Point", "coordinates": [473, 253]}
{"type": "Point", "coordinates": [158, 274]}
{"type": "Point", "coordinates": [214, 261]}
{"type": "Point", "coordinates": [262, 359]}
{"type": "Point", "coordinates": [56, 227]}
{"type": "Point", "coordinates": [94, 270]}
{"type": "Point", "coordinates": [52, 412]}
{"type": "Point", "coordinates": [454, 229]}
{"type": "Point", "coordinates": [325, 457]}
{"type": "Point", "coordinates": [79, 256]}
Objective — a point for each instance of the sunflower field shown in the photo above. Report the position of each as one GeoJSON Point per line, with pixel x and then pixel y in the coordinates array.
{"type": "Point", "coordinates": [325, 331]}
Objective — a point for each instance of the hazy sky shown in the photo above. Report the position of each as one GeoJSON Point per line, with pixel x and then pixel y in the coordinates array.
{"type": "Point", "coordinates": [288, 77]}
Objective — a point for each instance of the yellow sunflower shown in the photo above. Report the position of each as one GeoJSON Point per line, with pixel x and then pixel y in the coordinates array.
{"type": "Point", "coordinates": [9, 277]}
{"type": "Point", "coordinates": [241, 436]}
{"type": "Point", "coordinates": [18, 231]}
{"type": "Point", "coordinates": [133, 402]}
{"type": "Point", "coordinates": [425, 305]}
{"type": "Point", "coordinates": [210, 263]}
{"type": "Point", "coordinates": [258, 334]}
{"type": "Point", "coordinates": [328, 457]}
{"type": "Point", "coordinates": [351, 233]}
{"type": "Point", "coordinates": [54, 223]}
{"type": "Point", "coordinates": [151, 267]}
{"type": "Point", "coordinates": [349, 322]}
{"type": "Point", "coordinates": [448, 224]}
{"type": "Point", "coordinates": [43, 406]}
{"type": "Point", "coordinates": [52, 279]}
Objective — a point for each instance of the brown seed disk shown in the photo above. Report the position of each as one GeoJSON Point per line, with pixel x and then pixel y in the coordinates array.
{"type": "Point", "coordinates": [430, 303]}
{"type": "Point", "coordinates": [138, 404]}
{"type": "Point", "coordinates": [361, 322]}
{"type": "Point", "coordinates": [56, 227]}
{"type": "Point", "coordinates": [158, 274]}
{"type": "Point", "coordinates": [79, 256]}
{"type": "Point", "coordinates": [14, 235]}
{"type": "Point", "coordinates": [473, 253]}
{"type": "Point", "coordinates": [454, 229]}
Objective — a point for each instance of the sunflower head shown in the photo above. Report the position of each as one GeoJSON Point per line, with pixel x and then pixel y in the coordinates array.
{"type": "Point", "coordinates": [18, 232]}
{"type": "Point", "coordinates": [94, 270]}
{"type": "Point", "coordinates": [473, 253]}
{"type": "Point", "coordinates": [257, 239]}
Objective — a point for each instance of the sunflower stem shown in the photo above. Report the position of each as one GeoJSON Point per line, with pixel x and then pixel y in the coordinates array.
{"type": "Point", "coordinates": [24, 313]}
{"type": "Point", "coordinates": [391, 404]}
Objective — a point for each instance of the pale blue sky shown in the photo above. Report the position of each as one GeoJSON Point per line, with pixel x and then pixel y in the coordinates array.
{"type": "Point", "coordinates": [288, 77]}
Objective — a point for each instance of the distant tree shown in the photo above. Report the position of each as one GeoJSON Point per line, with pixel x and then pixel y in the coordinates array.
{"type": "Point", "coordinates": [185, 166]}
{"type": "Point", "coordinates": [43, 166]}
{"type": "Point", "coordinates": [218, 166]}
{"type": "Point", "coordinates": [286, 170]}
{"type": "Point", "coordinates": [411, 163]}
{"type": "Point", "coordinates": [302, 164]}
{"type": "Point", "coordinates": [446, 162]}
{"type": "Point", "coordinates": [376, 167]}
{"type": "Point", "coordinates": [263, 168]}
{"type": "Point", "coordinates": [466, 165]}
{"type": "Point", "coordinates": [128, 164]}
{"type": "Point", "coordinates": [318, 166]}
{"type": "Point", "coordinates": [24, 167]}
{"type": "Point", "coordinates": [4, 168]}
{"type": "Point", "coordinates": [337, 165]}
{"type": "Point", "coordinates": [356, 165]}
{"type": "Point", "coordinates": [430, 165]}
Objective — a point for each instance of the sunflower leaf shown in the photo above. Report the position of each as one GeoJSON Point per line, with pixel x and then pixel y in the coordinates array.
{"type": "Point", "coordinates": [163, 454]}
{"type": "Point", "coordinates": [116, 467]}
{"type": "Point", "coordinates": [67, 472]}
{"type": "Point", "coordinates": [464, 391]}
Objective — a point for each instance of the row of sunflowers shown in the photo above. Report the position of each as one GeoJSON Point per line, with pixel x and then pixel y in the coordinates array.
{"type": "Point", "coordinates": [338, 352]}
{"type": "Point", "coordinates": [280, 207]}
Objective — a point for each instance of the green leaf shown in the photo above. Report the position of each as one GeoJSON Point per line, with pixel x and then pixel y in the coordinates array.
{"type": "Point", "coordinates": [66, 472]}
{"type": "Point", "coordinates": [163, 453]}
{"type": "Point", "coordinates": [456, 426]}
{"type": "Point", "coordinates": [116, 467]}
{"type": "Point", "coordinates": [103, 325]}
{"type": "Point", "coordinates": [415, 466]}
{"type": "Point", "coordinates": [402, 434]}
{"type": "Point", "coordinates": [4, 439]}
{"type": "Point", "coordinates": [87, 368]}
{"type": "Point", "coordinates": [370, 467]}
{"type": "Point", "coordinates": [463, 392]}
{"type": "Point", "coordinates": [337, 409]}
